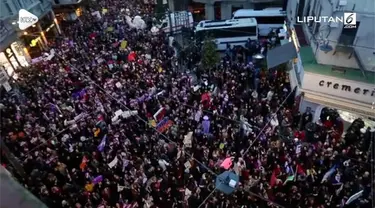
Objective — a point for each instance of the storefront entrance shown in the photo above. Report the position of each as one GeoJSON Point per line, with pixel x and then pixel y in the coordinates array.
{"type": "Point", "coordinates": [341, 118]}
{"type": "Point", "coordinates": [12, 58]}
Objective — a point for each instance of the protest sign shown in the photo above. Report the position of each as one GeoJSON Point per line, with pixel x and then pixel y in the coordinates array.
{"type": "Point", "coordinates": [123, 45]}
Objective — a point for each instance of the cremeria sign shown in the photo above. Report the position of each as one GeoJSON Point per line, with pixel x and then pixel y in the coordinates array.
{"type": "Point", "coordinates": [349, 19]}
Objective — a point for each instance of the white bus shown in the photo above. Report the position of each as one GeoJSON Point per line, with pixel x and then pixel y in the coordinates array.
{"type": "Point", "coordinates": [235, 32]}
{"type": "Point", "coordinates": [267, 19]}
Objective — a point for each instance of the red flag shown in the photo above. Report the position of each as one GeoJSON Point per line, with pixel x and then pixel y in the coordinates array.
{"type": "Point", "coordinates": [159, 115]}
{"type": "Point", "coordinates": [131, 56]}
{"type": "Point", "coordinates": [273, 179]}
{"type": "Point", "coordinates": [206, 100]}
{"type": "Point", "coordinates": [92, 35]}
{"type": "Point", "coordinates": [300, 170]}
{"type": "Point", "coordinates": [83, 163]}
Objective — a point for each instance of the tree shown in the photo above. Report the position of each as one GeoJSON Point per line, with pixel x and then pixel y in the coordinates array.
{"type": "Point", "coordinates": [210, 56]}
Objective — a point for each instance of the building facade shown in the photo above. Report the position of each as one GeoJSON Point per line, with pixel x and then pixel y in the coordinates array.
{"type": "Point", "coordinates": [17, 46]}
{"type": "Point", "coordinates": [335, 67]}
{"type": "Point", "coordinates": [69, 10]}
{"type": "Point", "coordinates": [223, 9]}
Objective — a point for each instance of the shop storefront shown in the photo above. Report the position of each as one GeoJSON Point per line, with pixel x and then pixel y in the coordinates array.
{"type": "Point", "coordinates": [351, 99]}
{"type": "Point", "coordinates": [34, 42]}
{"type": "Point", "coordinates": [37, 37]}
{"type": "Point", "coordinates": [49, 27]}
{"type": "Point", "coordinates": [14, 57]}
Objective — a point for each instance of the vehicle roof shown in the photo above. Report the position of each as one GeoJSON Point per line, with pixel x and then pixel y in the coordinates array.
{"type": "Point", "coordinates": [259, 13]}
{"type": "Point", "coordinates": [208, 24]}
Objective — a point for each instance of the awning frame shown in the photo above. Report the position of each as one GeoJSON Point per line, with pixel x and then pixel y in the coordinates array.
{"type": "Point", "coordinates": [355, 107]}
{"type": "Point", "coordinates": [281, 54]}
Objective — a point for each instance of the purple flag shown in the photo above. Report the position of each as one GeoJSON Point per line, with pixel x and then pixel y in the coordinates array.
{"type": "Point", "coordinates": [206, 125]}
{"type": "Point", "coordinates": [102, 143]}
{"type": "Point", "coordinates": [97, 180]}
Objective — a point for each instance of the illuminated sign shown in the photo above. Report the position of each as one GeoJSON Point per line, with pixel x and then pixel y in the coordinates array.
{"type": "Point", "coordinates": [34, 42]}
{"type": "Point", "coordinates": [50, 27]}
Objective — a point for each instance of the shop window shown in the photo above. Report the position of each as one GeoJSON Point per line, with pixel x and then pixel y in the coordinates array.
{"type": "Point", "coordinates": [227, 33]}
{"type": "Point", "coordinates": [217, 9]}
{"type": "Point", "coordinates": [4, 61]}
{"type": "Point", "coordinates": [270, 20]}
{"type": "Point", "coordinates": [6, 9]}
{"type": "Point", "coordinates": [20, 55]}
{"type": "Point", "coordinates": [348, 35]}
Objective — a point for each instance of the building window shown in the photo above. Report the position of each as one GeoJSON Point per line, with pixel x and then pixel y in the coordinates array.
{"type": "Point", "coordinates": [270, 20]}
{"type": "Point", "coordinates": [235, 8]}
{"type": "Point", "coordinates": [6, 9]}
{"type": "Point", "coordinates": [348, 35]}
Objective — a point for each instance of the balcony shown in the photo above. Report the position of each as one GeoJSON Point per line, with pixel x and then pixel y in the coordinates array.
{"type": "Point", "coordinates": [310, 64]}
{"type": "Point", "coordinates": [8, 34]}
{"type": "Point", "coordinates": [10, 8]}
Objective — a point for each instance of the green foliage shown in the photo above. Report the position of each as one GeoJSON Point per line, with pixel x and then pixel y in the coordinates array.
{"type": "Point", "coordinates": [210, 57]}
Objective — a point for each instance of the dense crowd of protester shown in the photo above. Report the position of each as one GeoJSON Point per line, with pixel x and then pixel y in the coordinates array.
{"type": "Point", "coordinates": [85, 126]}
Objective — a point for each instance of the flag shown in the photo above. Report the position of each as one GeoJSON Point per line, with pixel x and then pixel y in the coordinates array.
{"type": "Point", "coordinates": [97, 180]}
{"type": "Point", "coordinates": [300, 170]}
{"type": "Point", "coordinates": [206, 99]}
{"type": "Point", "coordinates": [339, 189]}
{"type": "Point", "coordinates": [354, 197]}
{"type": "Point", "coordinates": [227, 163]}
{"type": "Point", "coordinates": [110, 29]}
{"type": "Point", "coordinates": [198, 115]}
{"type": "Point", "coordinates": [124, 43]}
{"type": "Point", "coordinates": [97, 132]}
{"type": "Point", "coordinates": [188, 139]}
{"type": "Point", "coordinates": [206, 125]}
{"type": "Point", "coordinates": [89, 187]}
{"type": "Point", "coordinates": [337, 179]}
{"type": "Point", "coordinates": [83, 164]}
{"type": "Point", "coordinates": [273, 179]}
{"type": "Point", "coordinates": [101, 123]}
{"type": "Point", "coordinates": [328, 174]}
{"type": "Point", "coordinates": [159, 115]}
{"type": "Point", "coordinates": [102, 143]}
{"type": "Point", "coordinates": [298, 149]}
{"type": "Point", "coordinates": [120, 188]}
{"type": "Point", "coordinates": [152, 123]}
{"type": "Point", "coordinates": [289, 178]}
{"type": "Point", "coordinates": [222, 145]}
{"type": "Point", "coordinates": [288, 169]}
{"type": "Point", "coordinates": [164, 125]}
{"type": "Point", "coordinates": [113, 163]}
{"type": "Point", "coordinates": [80, 94]}
{"type": "Point", "coordinates": [131, 56]}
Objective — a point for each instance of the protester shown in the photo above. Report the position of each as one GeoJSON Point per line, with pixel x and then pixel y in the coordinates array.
{"type": "Point", "coordinates": [85, 127]}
